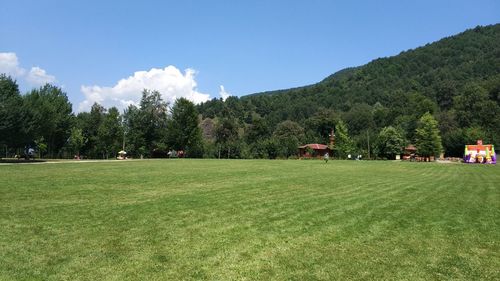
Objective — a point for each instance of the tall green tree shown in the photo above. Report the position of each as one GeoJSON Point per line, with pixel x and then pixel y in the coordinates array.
{"type": "Point", "coordinates": [390, 142]}
{"type": "Point", "coordinates": [135, 143]}
{"type": "Point", "coordinates": [110, 133]}
{"type": "Point", "coordinates": [153, 119]}
{"type": "Point", "coordinates": [48, 115]}
{"type": "Point", "coordinates": [427, 137]}
{"type": "Point", "coordinates": [183, 130]}
{"type": "Point", "coordinates": [11, 118]}
{"type": "Point", "coordinates": [146, 126]}
{"type": "Point", "coordinates": [257, 135]}
{"type": "Point", "coordinates": [41, 145]}
{"type": "Point", "coordinates": [289, 135]}
{"type": "Point", "coordinates": [76, 140]}
{"type": "Point", "coordinates": [94, 120]}
{"type": "Point", "coordinates": [343, 142]}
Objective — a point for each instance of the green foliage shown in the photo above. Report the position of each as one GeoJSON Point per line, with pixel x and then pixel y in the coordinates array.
{"type": "Point", "coordinates": [343, 143]}
{"type": "Point", "coordinates": [458, 76]}
{"type": "Point", "coordinates": [320, 125]}
{"type": "Point", "coordinates": [390, 142]}
{"type": "Point", "coordinates": [183, 130]}
{"type": "Point", "coordinates": [475, 108]}
{"type": "Point", "coordinates": [310, 151]}
{"type": "Point", "coordinates": [77, 140]}
{"type": "Point", "coordinates": [41, 145]}
{"type": "Point", "coordinates": [272, 147]}
{"type": "Point", "coordinates": [48, 114]}
{"type": "Point", "coordinates": [456, 79]}
{"type": "Point", "coordinates": [134, 136]}
{"type": "Point", "coordinates": [146, 126]}
{"type": "Point", "coordinates": [359, 118]}
{"type": "Point", "coordinates": [288, 135]}
{"type": "Point", "coordinates": [153, 120]}
{"type": "Point", "coordinates": [89, 123]}
{"type": "Point", "coordinates": [11, 122]}
{"type": "Point", "coordinates": [101, 133]}
{"type": "Point", "coordinates": [427, 138]}
{"type": "Point", "coordinates": [257, 130]}
{"type": "Point", "coordinates": [226, 137]}
{"type": "Point", "coordinates": [110, 133]}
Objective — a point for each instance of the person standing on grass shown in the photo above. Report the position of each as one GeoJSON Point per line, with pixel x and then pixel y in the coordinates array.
{"type": "Point", "coordinates": [326, 157]}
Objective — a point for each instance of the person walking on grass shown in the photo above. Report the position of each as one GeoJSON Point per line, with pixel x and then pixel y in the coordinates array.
{"type": "Point", "coordinates": [326, 157]}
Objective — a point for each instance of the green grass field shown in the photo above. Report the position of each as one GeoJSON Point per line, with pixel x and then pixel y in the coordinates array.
{"type": "Point", "coordinates": [249, 220]}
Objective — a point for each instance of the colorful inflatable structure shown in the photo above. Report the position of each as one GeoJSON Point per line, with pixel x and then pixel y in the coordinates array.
{"type": "Point", "coordinates": [480, 153]}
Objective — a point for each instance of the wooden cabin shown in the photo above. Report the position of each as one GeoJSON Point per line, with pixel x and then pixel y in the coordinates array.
{"type": "Point", "coordinates": [314, 150]}
{"type": "Point", "coordinates": [410, 153]}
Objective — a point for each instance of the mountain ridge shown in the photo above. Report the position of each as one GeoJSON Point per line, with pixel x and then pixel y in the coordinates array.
{"type": "Point", "coordinates": [346, 72]}
{"type": "Point", "coordinates": [456, 78]}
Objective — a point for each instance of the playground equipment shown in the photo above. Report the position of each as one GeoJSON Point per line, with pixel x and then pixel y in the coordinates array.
{"type": "Point", "coordinates": [480, 153]}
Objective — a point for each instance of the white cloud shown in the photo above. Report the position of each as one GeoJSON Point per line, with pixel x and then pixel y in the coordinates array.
{"type": "Point", "coordinates": [9, 64]}
{"type": "Point", "coordinates": [223, 94]}
{"type": "Point", "coordinates": [38, 76]}
{"type": "Point", "coordinates": [169, 81]}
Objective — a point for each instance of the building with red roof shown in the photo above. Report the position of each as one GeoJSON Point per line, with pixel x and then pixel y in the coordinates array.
{"type": "Point", "coordinates": [314, 150]}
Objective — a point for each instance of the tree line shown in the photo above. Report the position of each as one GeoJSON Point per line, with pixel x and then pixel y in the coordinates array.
{"type": "Point", "coordinates": [43, 119]}
{"type": "Point", "coordinates": [438, 97]}
{"type": "Point", "coordinates": [456, 80]}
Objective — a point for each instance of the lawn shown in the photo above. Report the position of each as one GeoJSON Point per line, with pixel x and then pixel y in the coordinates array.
{"type": "Point", "coordinates": [249, 220]}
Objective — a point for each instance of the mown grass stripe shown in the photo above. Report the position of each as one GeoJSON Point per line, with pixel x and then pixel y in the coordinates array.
{"type": "Point", "coordinates": [251, 220]}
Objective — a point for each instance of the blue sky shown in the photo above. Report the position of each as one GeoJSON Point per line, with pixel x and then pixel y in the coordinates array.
{"type": "Point", "coordinates": [87, 47]}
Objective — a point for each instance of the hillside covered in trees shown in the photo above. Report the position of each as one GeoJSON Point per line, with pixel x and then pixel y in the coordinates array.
{"type": "Point", "coordinates": [456, 79]}
{"type": "Point", "coordinates": [447, 92]}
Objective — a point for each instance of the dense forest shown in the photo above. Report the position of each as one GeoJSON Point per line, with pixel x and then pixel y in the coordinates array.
{"type": "Point", "coordinates": [456, 79]}
{"type": "Point", "coordinates": [447, 92]}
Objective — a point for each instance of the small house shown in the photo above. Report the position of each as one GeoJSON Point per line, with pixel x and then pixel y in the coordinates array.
{"type": "Point", "coordinates": [313, 150]}
{"type": "Point", "coordinates": [410, 153]}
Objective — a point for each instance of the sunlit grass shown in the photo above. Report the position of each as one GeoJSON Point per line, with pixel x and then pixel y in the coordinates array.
{"type": "Point", "coordinates": [249, 220]}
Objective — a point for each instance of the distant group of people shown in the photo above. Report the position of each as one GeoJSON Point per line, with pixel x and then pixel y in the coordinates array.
{"type": "Point", "coordinates": [29, 153]}
{"type": "Point", "coordinates": [358, 157]}
{"type": "Point", "coordinates": [326, 157]}
{"type": "Point", "coordinates": [175, 154]}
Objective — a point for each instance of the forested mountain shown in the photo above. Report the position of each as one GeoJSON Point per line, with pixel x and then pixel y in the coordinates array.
{"type": "Point", "coordinates": [438, 97]}
{"type": "Point", "coordinates": [456, 79]}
